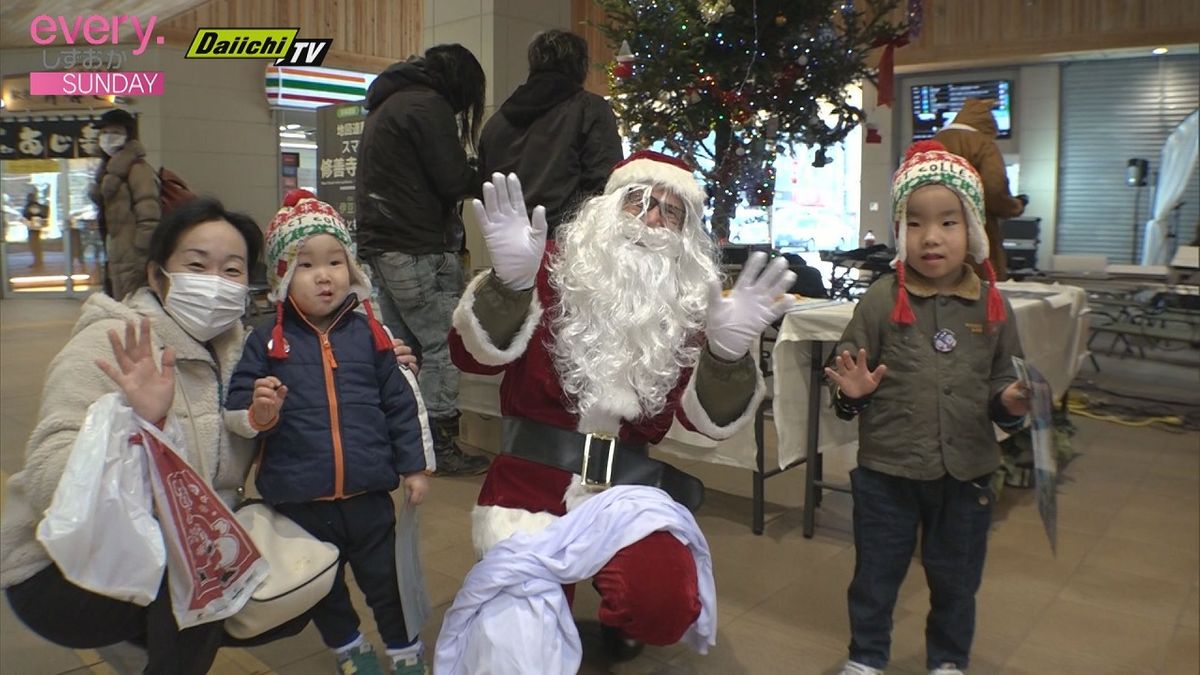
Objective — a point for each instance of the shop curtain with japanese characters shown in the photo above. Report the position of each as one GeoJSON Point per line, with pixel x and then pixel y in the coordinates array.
{"type": "Point", "coordinates": [49, 137]}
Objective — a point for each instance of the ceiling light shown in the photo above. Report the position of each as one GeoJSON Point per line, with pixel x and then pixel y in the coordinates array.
{"type": "Point", "coordinates": [1159, 51]}
{"type": "Point", "coordinates": [299, 146]}
{"type": "Point", "coordinates": [293, 125]}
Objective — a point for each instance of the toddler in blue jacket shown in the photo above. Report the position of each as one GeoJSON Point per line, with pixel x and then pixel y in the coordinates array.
{"type": "Point", "coordinates": [341, 423]}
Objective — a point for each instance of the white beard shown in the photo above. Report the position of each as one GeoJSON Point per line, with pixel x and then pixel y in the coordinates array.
{"type": "Point", "coordinates": [632, 300]}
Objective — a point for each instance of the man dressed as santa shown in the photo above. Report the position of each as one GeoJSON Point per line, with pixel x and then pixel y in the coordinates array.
{"type": "Point", "coordinates": [605, 337]}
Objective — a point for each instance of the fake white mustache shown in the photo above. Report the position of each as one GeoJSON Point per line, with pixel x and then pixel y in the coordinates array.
{"type": "Point", "coordinates": [657, 239]}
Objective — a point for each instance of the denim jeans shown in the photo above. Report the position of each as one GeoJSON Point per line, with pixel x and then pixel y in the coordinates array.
{"type": "Point", "coordinates": [417, 297]}
{"type": "Point", "coordinates": [954, 517]}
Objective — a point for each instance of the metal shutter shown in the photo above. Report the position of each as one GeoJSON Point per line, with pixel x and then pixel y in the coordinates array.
{"type": "Point", "coordinates": [1113, 111]}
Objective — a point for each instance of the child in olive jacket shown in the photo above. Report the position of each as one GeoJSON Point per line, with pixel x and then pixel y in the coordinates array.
{"type": "Point", "coordinates": [933, 370]}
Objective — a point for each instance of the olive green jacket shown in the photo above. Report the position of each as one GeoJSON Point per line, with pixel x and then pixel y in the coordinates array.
{"type": "Point", "coordinates": [932, 413]}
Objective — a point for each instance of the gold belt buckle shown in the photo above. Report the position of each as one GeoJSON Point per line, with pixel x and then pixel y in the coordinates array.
{"type": "Point", "coordinates": [587, 454]}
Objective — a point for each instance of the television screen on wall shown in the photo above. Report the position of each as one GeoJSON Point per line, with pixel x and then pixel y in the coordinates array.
{"type": "Point", "coordinates": [935, 105]}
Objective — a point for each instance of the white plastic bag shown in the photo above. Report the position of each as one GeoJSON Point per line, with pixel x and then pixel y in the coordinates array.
{"type": "Point", "coordinates": [214, 566]}
{"type": "Point", "coordinates": [100, 529]}
{"type": "Point", "coordinates": [414, 598]}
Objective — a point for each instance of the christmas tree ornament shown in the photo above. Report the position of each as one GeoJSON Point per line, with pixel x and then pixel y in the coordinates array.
{"type": "Point", "coordinates": [713, 11]}
{"type": "Point", "coordinates": [623, 68]}
{"type": "Point", "coordinates": [781, 20]}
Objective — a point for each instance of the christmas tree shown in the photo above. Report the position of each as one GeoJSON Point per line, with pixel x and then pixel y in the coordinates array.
{"type": "Point", "coordinates": [729, 84]}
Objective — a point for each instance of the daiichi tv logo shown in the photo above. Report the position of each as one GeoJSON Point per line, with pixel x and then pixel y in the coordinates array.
{"type": "Point", "coordinates": [280, 44]}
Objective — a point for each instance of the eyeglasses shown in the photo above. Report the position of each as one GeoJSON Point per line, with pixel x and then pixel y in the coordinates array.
{"type": "Point", "coordinates": [672, 214]}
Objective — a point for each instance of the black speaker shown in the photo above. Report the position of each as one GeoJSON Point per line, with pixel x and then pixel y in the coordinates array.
{"type": "Point", "coordinates": [1021, 242]}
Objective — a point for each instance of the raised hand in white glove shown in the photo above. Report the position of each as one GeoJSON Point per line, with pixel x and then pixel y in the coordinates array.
{"type": "Point", "coordinates": [755, 302]}
{"type": "Point", "coordinates": [516, 245]}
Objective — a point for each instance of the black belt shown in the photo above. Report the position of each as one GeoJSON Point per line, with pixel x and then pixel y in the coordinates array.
{"type": "Point", "coordinates": [609, 461]}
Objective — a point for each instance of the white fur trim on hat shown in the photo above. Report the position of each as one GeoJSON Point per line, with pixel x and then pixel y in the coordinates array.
{"type": "Point", "coordinates": [645, 168]}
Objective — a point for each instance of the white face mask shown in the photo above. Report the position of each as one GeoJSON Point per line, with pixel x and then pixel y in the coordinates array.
{"type": "Point", "coordinates": [111, 144]}
{"type": "Point", "coordinates": [205, 305]}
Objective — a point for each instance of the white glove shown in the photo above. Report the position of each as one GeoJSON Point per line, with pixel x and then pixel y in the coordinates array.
{"type": "Point", "coordinates": [516, 246]}
{"type": "Point", "coordinates": [755, 302]}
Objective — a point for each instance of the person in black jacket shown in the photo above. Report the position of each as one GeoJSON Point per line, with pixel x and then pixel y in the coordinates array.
{"type": "Point", "coordinates": [560, 140]}
{"type": "Point", "coordinates": [412, 173]}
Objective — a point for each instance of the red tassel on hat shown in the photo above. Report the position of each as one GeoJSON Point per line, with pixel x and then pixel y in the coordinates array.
{"type": "Point", "coordinates": [278, 344]}
{"type": "Point", "coordinates": [902, 312]}
{"type": "Point", "coordinates": [995, 304]}
{"type": "Point", "coordinates": [383, 343]}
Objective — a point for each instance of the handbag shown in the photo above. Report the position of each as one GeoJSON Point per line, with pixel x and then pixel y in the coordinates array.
{"type": "Point", "coordinates": [303, 569]}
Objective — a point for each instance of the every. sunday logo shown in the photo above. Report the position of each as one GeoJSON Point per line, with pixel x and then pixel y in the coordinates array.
{"type": "Point", "coordinates": [94, 30]}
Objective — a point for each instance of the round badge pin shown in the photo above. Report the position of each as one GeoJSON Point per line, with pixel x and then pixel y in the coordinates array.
{"type": "Point", "coordinates": [944, 341]}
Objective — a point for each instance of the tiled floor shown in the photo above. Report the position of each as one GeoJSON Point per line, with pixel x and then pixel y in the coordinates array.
{"type": "Point", "coordinates": [1120, 597]}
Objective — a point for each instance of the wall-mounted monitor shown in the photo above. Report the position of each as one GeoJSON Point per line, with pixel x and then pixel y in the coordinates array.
{"type": "Point", "coordinates": [935, 105]}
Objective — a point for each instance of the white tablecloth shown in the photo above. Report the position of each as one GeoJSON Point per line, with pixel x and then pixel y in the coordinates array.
{"type": "Point", "coordinates": [1051, 322]}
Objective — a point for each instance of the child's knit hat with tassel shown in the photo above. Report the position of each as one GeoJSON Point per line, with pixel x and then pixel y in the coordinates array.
{"type": "Point", "coordinates": [929, 163]}
{"type": "Point", "coordinates": [302, 217]}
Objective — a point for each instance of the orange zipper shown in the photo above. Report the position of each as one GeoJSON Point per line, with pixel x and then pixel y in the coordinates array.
{"type": "Point", "coordinates": [329, 364]}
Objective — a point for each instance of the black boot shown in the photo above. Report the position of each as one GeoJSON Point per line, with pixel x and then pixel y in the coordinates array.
{"type": "Point", "coordinates": [618, 646]}
{"type": "Point", "coordinates": [451, 460]}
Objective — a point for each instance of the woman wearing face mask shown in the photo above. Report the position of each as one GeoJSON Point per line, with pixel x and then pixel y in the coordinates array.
{"type": "Point", "coordinates": [126, 196]}
{"type": "Point", "coordinates": [188, 320]}
{"type": "Point", "coordinates": [189, 316]}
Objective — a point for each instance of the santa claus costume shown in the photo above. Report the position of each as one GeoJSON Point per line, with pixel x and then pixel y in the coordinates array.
{"type": "Point", "coordinates": [605, 337]}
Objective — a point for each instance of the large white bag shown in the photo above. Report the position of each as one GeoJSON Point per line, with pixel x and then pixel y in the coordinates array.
{"type": "Point", "coordinates": [100, 528]}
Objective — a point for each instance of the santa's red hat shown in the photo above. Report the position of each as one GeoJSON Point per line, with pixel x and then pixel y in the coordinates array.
{"type": "Point", "coordinates": [647, 167]}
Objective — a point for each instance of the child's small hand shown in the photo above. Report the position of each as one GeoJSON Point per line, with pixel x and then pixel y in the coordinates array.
{"type": "Point", "coordinates": [855, 379]}
{"type": "Point", "coordinates": [416, 484]}
{"type": "Point", "coordinates": [404, 355]}
{"type": "Point", "coordinates": [269, 393]}
{"type": "Point", "coordinates": [1015, 399]}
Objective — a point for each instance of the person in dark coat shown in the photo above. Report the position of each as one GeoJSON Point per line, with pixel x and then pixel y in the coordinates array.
{"type": "Point", "coordinates": [412, 173]}
{"type": "Point", "coordinates": [559, 139]}
{"type": "Point", "coordinates": [126, 193]}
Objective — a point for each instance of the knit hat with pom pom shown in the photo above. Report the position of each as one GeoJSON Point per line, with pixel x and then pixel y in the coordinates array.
{"type": "Point", "coordinates": [301, 218]}
{"type": "Point", "coordinates": [929, 163]}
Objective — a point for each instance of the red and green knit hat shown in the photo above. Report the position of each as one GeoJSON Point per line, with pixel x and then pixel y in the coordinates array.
{"type": "Point", "coordinates": [929, 163]}
{"type": "Point", "coordinates": [302, 217]}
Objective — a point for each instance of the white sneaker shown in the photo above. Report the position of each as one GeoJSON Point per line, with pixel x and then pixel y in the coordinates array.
{"type": "Point", "coordinates": [946, 669]}
{"type": "Point", "coordinates": [856, 668]}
